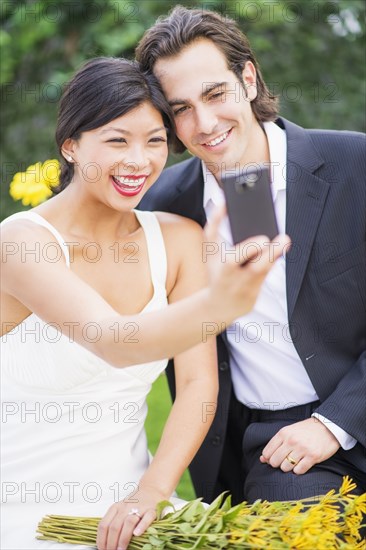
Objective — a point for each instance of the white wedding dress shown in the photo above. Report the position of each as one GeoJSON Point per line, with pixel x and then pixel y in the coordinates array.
{"type": "Point", "coordinates": [72, 429]}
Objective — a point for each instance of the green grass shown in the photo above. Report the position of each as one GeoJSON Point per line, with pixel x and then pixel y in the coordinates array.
{"type": "Point", "coordinates": [159, 403]}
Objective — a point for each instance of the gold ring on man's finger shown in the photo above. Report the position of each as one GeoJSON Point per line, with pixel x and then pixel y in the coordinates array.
{"type": "Point", "coordinates": [291, 460]}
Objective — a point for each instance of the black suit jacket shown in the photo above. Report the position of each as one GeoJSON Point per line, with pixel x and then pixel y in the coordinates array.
{"type": "Point", "coordinates": [325, 277]}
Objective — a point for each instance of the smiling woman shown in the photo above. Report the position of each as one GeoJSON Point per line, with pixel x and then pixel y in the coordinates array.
{"type": "Point", "coordinates": [97, 108]}
{"type": "Point", "coordinates": [126, 156]}
{"type": "Point", "coordinates": [76, 322]}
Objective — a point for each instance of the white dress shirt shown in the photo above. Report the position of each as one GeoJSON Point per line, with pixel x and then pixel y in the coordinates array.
{"type": "Point", "coordinates": [267, 371]}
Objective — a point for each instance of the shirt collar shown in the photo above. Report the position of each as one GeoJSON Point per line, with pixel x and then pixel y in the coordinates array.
{"type": "Point", "coordinates": [277, 153]}
{"type": "Point", "coordinates": [277, 143]}
{"type": "Point", "coordinates": [212, 192]}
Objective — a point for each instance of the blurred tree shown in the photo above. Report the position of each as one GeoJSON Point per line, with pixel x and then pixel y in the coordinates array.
{"type": "Point", "coordinates": [312, 54]}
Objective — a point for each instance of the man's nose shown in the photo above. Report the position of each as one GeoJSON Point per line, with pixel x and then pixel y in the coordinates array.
{"type": "Point", "coordinates": [206, 120]}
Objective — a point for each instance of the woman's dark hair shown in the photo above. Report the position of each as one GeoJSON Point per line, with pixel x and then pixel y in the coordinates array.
{"type": "Point", "coordinates": [172, 33]}
{"type": "Point", "coordinates": [103, 89]}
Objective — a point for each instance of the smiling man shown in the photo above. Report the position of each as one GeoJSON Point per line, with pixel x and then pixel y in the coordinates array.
{"type": "Point", "coordinates": [214, 119]}
{"type": "Point", "coordinates": [291, 415]}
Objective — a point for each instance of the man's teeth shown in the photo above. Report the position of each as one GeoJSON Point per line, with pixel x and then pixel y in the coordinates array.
{"type": "Point", "coordinates": [217, 140]}
{"type": "Point", "coordinates": [130, 182]}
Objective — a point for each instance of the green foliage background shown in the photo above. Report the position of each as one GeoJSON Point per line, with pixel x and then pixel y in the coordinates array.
{"type": "Point", "coordinates": [312, 53]}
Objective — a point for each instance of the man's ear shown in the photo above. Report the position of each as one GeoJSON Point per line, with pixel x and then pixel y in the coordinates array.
{"type": "Point", "coordinates": [249, 75]}
{"type": "Point", "coordinates": [68, 150]}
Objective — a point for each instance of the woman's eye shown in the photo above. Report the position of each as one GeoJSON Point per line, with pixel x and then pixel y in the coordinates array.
{"type": "Point", "coordinates": [158, 140]}
{"type": "Point", "coordinates": [117, 140]}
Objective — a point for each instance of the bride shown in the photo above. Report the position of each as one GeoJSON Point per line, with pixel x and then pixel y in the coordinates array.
{"type": "Point", "coordinates": [86, 280]}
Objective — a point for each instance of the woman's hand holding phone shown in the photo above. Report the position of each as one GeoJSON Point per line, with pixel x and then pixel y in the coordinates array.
{"type": "Point", "coordinates": [236, 277]}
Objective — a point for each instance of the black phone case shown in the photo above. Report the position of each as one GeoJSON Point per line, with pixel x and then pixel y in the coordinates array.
{"type": "Point", "coordinates": [249, 204]}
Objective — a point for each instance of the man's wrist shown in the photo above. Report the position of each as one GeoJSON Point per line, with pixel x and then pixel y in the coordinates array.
{"type": "Point", "coordinates": [345, 440]}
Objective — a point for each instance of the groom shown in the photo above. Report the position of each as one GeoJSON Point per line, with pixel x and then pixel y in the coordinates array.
{"type": "Point", "coordinates": [291, 418]}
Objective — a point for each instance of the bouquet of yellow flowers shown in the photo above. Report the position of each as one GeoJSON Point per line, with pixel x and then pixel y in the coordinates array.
{"type": "Point", "coordinates": [329, 522]}
{"type": "Point", "coordinates": [35, 184]}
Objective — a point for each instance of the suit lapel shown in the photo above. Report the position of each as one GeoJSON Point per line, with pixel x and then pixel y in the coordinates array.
{"type": "Point", "coordinates": [306, 195]}
{"type": "Point", "coordinates": [188, 199]}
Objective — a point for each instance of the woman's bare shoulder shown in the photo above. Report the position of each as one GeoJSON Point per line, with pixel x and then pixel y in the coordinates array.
{"type": "Point", "coordinates": [178, 224]}
{"type": "Point", "coordinates": [20, 236]}
{"type": "Point", "coordinates": [22, 228]}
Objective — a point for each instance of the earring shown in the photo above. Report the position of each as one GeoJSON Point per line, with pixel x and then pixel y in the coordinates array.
{"type": "Point", "coordinates": [69, 159]}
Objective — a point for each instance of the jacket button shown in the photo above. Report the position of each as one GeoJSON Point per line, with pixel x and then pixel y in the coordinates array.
{"type": "Point", "coordinates": [223, 366]}
{"type": "Point", "coordinates": [216, 441]}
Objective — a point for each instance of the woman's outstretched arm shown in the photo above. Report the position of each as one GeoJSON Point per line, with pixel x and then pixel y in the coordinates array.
{"type": "Point", "coordinates": [57, 295]}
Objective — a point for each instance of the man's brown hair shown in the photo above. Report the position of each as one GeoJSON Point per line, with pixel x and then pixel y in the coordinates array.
{"type": "Point", "coordinates": [172, 33]}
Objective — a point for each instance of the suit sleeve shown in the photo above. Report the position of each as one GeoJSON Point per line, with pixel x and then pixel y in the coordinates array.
{"type": "Point", "coordinates": [346, 406]}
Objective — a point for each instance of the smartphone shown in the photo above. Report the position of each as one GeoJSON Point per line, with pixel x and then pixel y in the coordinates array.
{"type": "Point", "coordinates": [249, 204]}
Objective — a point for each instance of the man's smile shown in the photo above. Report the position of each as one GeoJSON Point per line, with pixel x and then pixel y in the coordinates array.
{"type": "Point", "coordinates": [217, 140]}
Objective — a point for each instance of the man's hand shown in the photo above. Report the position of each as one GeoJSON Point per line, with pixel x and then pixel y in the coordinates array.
{"type": "Point", "coordinates": [298, 447]}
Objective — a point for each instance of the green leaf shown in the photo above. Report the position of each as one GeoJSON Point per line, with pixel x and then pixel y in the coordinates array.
{"type": "Point", "coordinates": [218, 527]}
{"type": "Point", "coordinates": [196, 508]}
{"type": "Point", "coordinates": [215, 505]}
{"type": "Point", "coordinates": [156, 542]}
{"type": "Point", "coordinates": [232, 513]}
{"type": "Point", "coordinates": [185, 528]}
{"type": "Point", "coordinates": [161, 507]}
{"type": "Point", "coordinates": [201, 543]}
{"type": "Point", "coordinates": [227, 504]}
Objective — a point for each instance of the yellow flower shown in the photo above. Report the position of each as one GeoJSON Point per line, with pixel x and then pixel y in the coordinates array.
{"type": "Point", "coordinates": [237, 536]}
{"type": "Point", "coordinates": [354, 512]}
{"type": "Point", "coordinates": [347, 486]}
{"type": "Point", "coordinates": [34, 185]}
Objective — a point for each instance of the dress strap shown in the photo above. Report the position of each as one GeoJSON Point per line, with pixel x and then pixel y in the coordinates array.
{"type": "Point", "coordinates": [155, 246]}
{"type": "Point", "coordinates": [39, 220]}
